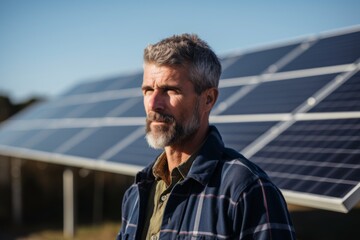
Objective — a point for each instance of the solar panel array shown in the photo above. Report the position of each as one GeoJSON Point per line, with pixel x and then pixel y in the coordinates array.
{"type": "Point", "coordinates": [293, 108]}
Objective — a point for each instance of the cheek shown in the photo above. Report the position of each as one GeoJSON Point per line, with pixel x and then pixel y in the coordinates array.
{"type": "Point", "coordinates": [184, 111]}
{"type": "Point", "coordinates": [146, 102]}
{"type": "Point", "coordinates": [145, 105]}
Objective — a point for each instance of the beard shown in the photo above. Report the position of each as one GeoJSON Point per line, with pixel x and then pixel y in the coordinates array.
{"type": "Point", "coordinates": [173, 131]}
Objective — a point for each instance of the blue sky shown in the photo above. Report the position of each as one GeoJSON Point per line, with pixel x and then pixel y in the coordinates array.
{"type": "Point", "coordinates": [47, 47]}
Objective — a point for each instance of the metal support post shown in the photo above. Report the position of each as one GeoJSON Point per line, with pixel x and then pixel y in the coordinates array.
{"type": "Point", "coordinates": [98, 197]}
{"type": "Point", "coordinates": [69, 203]}
{"type": "Point", "coordinates": [16, 191]}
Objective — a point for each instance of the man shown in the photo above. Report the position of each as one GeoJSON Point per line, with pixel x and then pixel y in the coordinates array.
{"type": "Point", "coordinates": [197, 188]}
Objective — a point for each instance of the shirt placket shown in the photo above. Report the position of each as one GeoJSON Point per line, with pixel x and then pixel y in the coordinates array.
{"type": "Point", "coordinates": [161, 202]}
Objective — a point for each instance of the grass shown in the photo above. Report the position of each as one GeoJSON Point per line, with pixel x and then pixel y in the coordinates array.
{"type": "Point", "coordinates": [107, 230]}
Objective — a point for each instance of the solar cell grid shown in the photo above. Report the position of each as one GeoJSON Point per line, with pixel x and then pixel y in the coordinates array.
{"type": "Point", "coordinates": [53, 139]}
{"type": "Point", "coordinates": [256, 62]}
{"type": "Point", "coordinates": [326, 150]}
{"type": "Point", "coordinates": [238, 136]}
{"type": "Point", "coordinates": [120, 82]}
{"type": "Point", "coordinates": [85, 87]}
{"type": "Point", "coordinates": [32, 112]}
{"type": "Point", "coordinates": [101, 109]}
{"type": "Point", "coordinates": [330, 51]}
{"type": "Point", "coordinates": [137, 153]}
{"type": "Point", "coordinates": [14, 137]}
{"type": "Point", "coordinates": [99, 141]}
{"type": "Point", "coordinates": [110, 84]}
{"type": "Point", "coordinates": [306, 158]}
{"type": "Point", "coordinates": [67, 111]}
{"type": "Point", "coordinates": [314, 186]}
{"type": "Point", "coordinates": [137, 110]}
{"type": "Point", "coordinates": [228, 60]}
{"type": "Point", "coordinates": [38, 136]}
{"type": "Point", "coordinates": [345, 98]}
{"type": "Point", "coordinates": [279, 96]}
{"type": "Point", "coordinates": [135, 81]}
{"type": "Point", "coordinates": [125, 106]}
{"type": "Point", "coordinates": [226, 92]}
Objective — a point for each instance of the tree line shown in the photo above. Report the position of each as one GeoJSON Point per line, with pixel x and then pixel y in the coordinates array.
{"type": "Point", "coordinates": [8, 108]}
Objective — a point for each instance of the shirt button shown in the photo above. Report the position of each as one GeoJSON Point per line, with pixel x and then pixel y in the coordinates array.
{"type": "Point", "coordinates": [163, 198]}
{"type": "Point", "coordinates": [153, 237]}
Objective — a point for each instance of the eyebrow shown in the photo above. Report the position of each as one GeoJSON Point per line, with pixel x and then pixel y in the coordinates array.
{"type": "Point", "coordinates": [146, 87]}
{"type": "Point", "coordinates": [165, 86]}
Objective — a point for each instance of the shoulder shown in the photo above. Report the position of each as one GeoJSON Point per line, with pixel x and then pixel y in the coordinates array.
{"type": "Point", "coordinates": [143, 180]}
{"type": "Point", "coordinates": [237, 172]}
{"type": "Point", "coordinates": [131, 193]}
{"type": "Point", "coordinates": [241, 163]}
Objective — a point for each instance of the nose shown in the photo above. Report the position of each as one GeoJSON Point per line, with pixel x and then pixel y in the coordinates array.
{"type": "Point", "coordinates": [155, 101]}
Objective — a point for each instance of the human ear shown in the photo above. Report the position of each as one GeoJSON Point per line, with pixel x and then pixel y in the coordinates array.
{"type": "Point", "coordinates": [211, 95]}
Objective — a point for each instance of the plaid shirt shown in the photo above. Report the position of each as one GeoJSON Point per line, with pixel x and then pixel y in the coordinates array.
{"type": "Point", "coordinates": [224, 196]}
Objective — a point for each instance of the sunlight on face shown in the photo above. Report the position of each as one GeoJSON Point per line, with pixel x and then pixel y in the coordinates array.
{"type": "Point", "coordinates": [172, 131]}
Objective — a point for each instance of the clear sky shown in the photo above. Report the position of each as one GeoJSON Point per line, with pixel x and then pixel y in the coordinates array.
{"type": "Point", "coordinates": [47, 47]}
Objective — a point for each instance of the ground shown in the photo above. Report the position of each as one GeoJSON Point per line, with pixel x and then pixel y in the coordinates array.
{"type": "Point", "coordinates": [310, 224]}
{"type": "Point", "coordinates": [104, 231]}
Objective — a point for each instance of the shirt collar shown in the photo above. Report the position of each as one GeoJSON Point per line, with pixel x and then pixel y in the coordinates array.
{"type": "Point", "coordinates": [160, 168]}
{"type": "Point", "coordinates": [207, 157]}
{"type": "Point", "coordinates": [202, 163]}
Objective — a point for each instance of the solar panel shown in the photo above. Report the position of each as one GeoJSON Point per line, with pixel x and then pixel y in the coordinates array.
{"type": "Point", "coordinates": [86, 87]}
{"type": "Point", "coordinates": [50, 139]}
{"type": "Point", "coordinates": [238, 136]}
{"type": "Point", "coordinates": [343, 99]}
{"type": "Point", "coordinates": [293, 108]}
{"type": "Point", "coordinates": [254, 63]}
{"type": "Point", "coordinates": [32, 111]}
{"type": "Point", "coordinates": [137, 153]}
{"type": "Point", "coordinates": [319, 157]}
{"type": "Point", "coordinates": [103, 85]}
{"type": "Point", "coordinates": [137, 110]}
{"type": "Point", "coordinates": [328, 51]}
{"type": "Point", "coordinates": [101, 109]}
{"type": "Point", "coordinates": [278, 96]}
{"type": "Point", "coordinates": [14, 138]}
{"type": "Point", "coordinates": [97, 141]}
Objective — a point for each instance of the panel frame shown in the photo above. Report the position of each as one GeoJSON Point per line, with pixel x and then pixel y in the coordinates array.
{"type": "Point", "coordinates": [250, 82]}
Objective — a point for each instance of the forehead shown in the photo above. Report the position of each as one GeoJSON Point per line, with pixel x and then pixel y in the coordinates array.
{"type": "Point", "coordinates": [155, 74]}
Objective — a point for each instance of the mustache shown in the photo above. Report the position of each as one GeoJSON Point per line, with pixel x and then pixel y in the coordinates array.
{"type": "Point", "coordinates": [160, 117]}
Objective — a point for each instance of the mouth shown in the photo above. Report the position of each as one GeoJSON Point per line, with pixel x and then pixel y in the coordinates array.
{"type": "Point", "coordinates": [158, 118]}
{"type": "Point", "coordinates": [157, 123]}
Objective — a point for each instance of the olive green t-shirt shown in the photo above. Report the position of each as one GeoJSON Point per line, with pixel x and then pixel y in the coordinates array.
{"type": "Point", "coordinates": [160, 193]}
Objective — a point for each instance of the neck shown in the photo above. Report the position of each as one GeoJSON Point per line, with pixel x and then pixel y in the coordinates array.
{"type": "Point", "coordinates": [180, 152]}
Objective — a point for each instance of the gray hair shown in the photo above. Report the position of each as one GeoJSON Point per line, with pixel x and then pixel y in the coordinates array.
{"type": "Point", "coordinates": [189, 51]}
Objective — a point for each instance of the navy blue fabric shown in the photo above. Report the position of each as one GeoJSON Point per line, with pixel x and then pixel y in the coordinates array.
{"type": "Point", "coordinates": [224, 196]}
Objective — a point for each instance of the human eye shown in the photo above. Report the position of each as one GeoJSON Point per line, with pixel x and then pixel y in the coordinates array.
{"type": "Point", "coordinates": [172, 91]}
{"type": "Point", "coordinates": [147, 90]}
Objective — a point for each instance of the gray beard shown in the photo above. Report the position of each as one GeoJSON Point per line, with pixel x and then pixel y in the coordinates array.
{"type": "Point", "coordinates": [173, 132]}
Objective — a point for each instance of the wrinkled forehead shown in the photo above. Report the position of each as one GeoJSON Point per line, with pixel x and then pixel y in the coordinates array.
{"type": "Point", "coordinates": [154, 73]}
